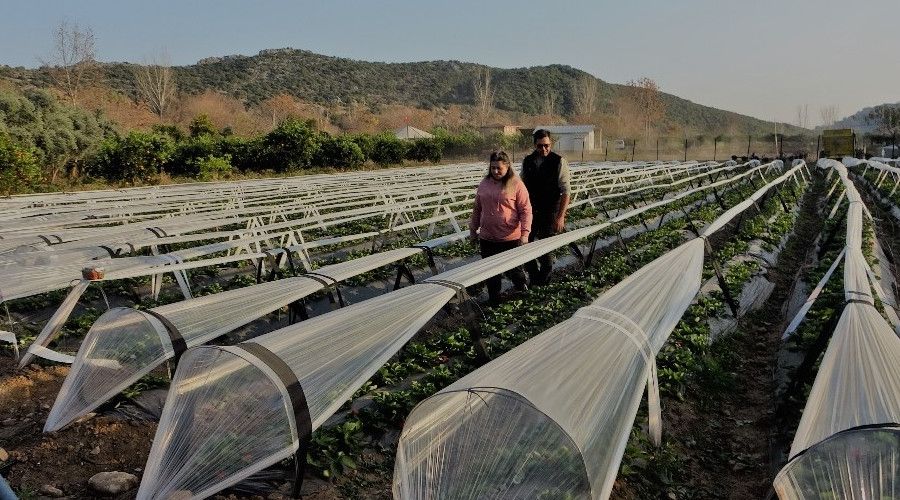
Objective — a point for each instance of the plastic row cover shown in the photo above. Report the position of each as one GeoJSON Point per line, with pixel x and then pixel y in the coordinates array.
{"type": "Point", "coordinates": [247, 424]}
{"type": "Point", "coordinates": [478, 271]}
{"type": "Point", "coordinates": [88, 224]}
{"type": "Point", "coordinates": [550, 419]}
{"type": "Point", "coordinates": [331, 355]}
{"type": "Point", "coordinates": [123, 346]}
{"type": "Point", "coordinates": [449, 182]}
{"type": "Point", "coordinates": [858, 382]}
{"type": "Point", "coordinates": [130, 267]}
{"type": "Point", "coordinates": [846, 445]}
{"type": "Point", "coordinates": [57, 273]}
{"type": "Point", "coordinates": [858, 463]}
{"type": "Point", "coordinates": [22, 281]}
{"type": "Point", "coordinates": [140, 266]}
{"type": "Point", "coordinates": [198, 200]}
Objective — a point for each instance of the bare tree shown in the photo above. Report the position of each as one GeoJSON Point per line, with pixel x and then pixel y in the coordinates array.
{"type": "Point", "coordinates": [584, 95]}
{"type": "Point", "coordinates": [886, 119]}
{"type": "Point", "coordinates": [156, 82]}
{"type": "Point", "coordinates": [647, 100]}
{"type": "Point", "coordinates": [803, 115]}
{"type": "Point", "coordinates": [549, 105]}
{"type": "Point", "coordinates": [72, 58]}
{"type": "Point", "coordinates": [484, 94]}
{"type": "Point", "coordinates": [829, 115]}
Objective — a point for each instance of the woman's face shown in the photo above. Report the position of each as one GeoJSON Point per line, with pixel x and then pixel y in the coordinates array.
{"type": "Point", "coordinates": [499, 169]}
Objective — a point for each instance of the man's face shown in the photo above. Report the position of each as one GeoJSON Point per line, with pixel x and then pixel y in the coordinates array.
{"type": "Point", "coordinates": [542, 146]}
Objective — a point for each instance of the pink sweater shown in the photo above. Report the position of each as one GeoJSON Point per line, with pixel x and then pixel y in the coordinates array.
{"type": "Point", "coordinates": [501, 215]}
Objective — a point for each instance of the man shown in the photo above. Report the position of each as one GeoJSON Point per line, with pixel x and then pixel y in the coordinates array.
{"type": "Point", "coordinates": [546, 176]}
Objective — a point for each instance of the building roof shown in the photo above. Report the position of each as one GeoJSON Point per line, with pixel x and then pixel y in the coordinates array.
{"type": "Point", "coordinates": [410, 132]}
{"type": "Point", "coordinates": [567, 129]}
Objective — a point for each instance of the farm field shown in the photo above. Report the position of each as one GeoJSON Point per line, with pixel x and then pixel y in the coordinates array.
{"type": "Point", "coordinates": [711, 330]}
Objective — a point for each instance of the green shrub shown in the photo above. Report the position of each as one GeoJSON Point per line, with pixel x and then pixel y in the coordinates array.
{"type": "Point", "coordinates": [424, 150]}
{"type": "Point", "coordinates": [388, 150]}
{"type": "Point", "coordinates": [291, 146]}
{"type": "Point", "coordinates": [466, 142]}
{"type": "Point", "coordinates": [201, 125]}
{"type": "Point", "coordinates": [366, 143]}
{"type": "Point", "coordinates": [19, 169]}
{"type": "Point", "coordinates": [341, 152]}
{"type": "Point", "coordinates": [139, 156]}
{"type": "Point", "coordinates": [58, 136]}
{"type": "Point", "coordinates": [188, 152]}
{"type": "Point", "coordinates": [515, 142]}
{"type": "Point", "coordinates": [213, 168]}
{"type": "Point", "coordinates": [247, 155]}
{"type": "Point", "coordinates": [172, 131]}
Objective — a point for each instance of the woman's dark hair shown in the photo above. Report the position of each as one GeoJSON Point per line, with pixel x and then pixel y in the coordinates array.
{"type": "Point", "coordinates": [499, 156]}
{"type": "Point", "coordinates": [540, 134]}
{"type": "Point", "coordinates": [502, 157]}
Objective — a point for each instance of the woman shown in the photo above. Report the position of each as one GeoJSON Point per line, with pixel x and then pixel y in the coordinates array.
{"type": "Point", "coordinates": [501, 219]}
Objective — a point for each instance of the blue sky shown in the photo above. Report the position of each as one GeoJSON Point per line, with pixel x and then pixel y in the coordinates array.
{"type": "Point", "coordinates": [760, 57]}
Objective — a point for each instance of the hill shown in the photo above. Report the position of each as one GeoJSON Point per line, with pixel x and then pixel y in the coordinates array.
{"type": "Point", "coordinates": [332, 80]}
{"type": "Point", "coordinates": [860, 121]}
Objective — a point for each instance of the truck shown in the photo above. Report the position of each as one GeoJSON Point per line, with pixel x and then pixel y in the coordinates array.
{"type": "Point", "coordinates": [838, 142]}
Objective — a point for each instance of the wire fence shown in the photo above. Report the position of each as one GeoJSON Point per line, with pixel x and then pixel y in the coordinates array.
{"type": "Point", "coordinates": [695, 147]}
{"type": "Point", "coordinates": [698, 147]}
{"type": "Point", "coordinates": [878, 145]}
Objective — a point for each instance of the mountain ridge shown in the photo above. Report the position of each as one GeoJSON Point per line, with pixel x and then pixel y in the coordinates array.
{"type": "Point", "coordinates": [330, 80]}
{"type": "Point", "coordinates": [860, 120]}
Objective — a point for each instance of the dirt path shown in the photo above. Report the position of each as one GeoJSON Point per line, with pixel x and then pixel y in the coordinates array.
{"type": "Point", "coordinates": [726, 431]}
{"type": "Point", "coordinates": [67, 458]}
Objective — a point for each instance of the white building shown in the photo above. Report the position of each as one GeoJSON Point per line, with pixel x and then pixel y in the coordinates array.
{"type": "Point", "coordinates": [571, 137]}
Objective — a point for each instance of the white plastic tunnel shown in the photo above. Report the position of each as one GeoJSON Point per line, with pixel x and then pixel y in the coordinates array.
{"type": "Point", "coordinates": [230, 413]}
{"type": "Point", "coordinates": [856, 463]}
{"type": "Point", "coordinates": [124, 344]}
{"type": "Point", "coordinates": [332, 355]}
{"type": "Point", "coordinates": [550, 419]}
{"type": "Point", "coordinates": [847, 444]}
{"type": "Point", "coordinates": [118, 346]}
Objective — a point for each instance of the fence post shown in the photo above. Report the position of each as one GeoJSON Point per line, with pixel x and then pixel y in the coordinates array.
{"type": "Point", "coordinates": [633, 145]}
{"type": "Point", "coordinates": [657, 149]}
{"type": "Point", "coordinates": [685, 149]}
{"type": "Point", "coordinates": [715, 147]}
{"type": "Point", "coordinates": [606, 151]}
{"type": "Point", "coordinates": [818, 139]}
{"type": "Point", "coordinates": [748, 145]}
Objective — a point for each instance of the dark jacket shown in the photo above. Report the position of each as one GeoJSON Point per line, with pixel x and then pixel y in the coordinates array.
{"type": "Point", "coordinates": [542, 184]}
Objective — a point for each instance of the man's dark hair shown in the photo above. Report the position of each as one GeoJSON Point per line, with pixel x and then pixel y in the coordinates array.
{"type": "Point", "coordinates": [540, 134]}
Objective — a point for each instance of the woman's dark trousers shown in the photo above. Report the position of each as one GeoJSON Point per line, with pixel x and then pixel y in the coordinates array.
{"type": "Point", "coordinates": [516, 275]}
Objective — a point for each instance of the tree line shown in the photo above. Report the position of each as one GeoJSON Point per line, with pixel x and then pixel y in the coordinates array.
{"type": "Point", "coordinates": [43, 139]}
